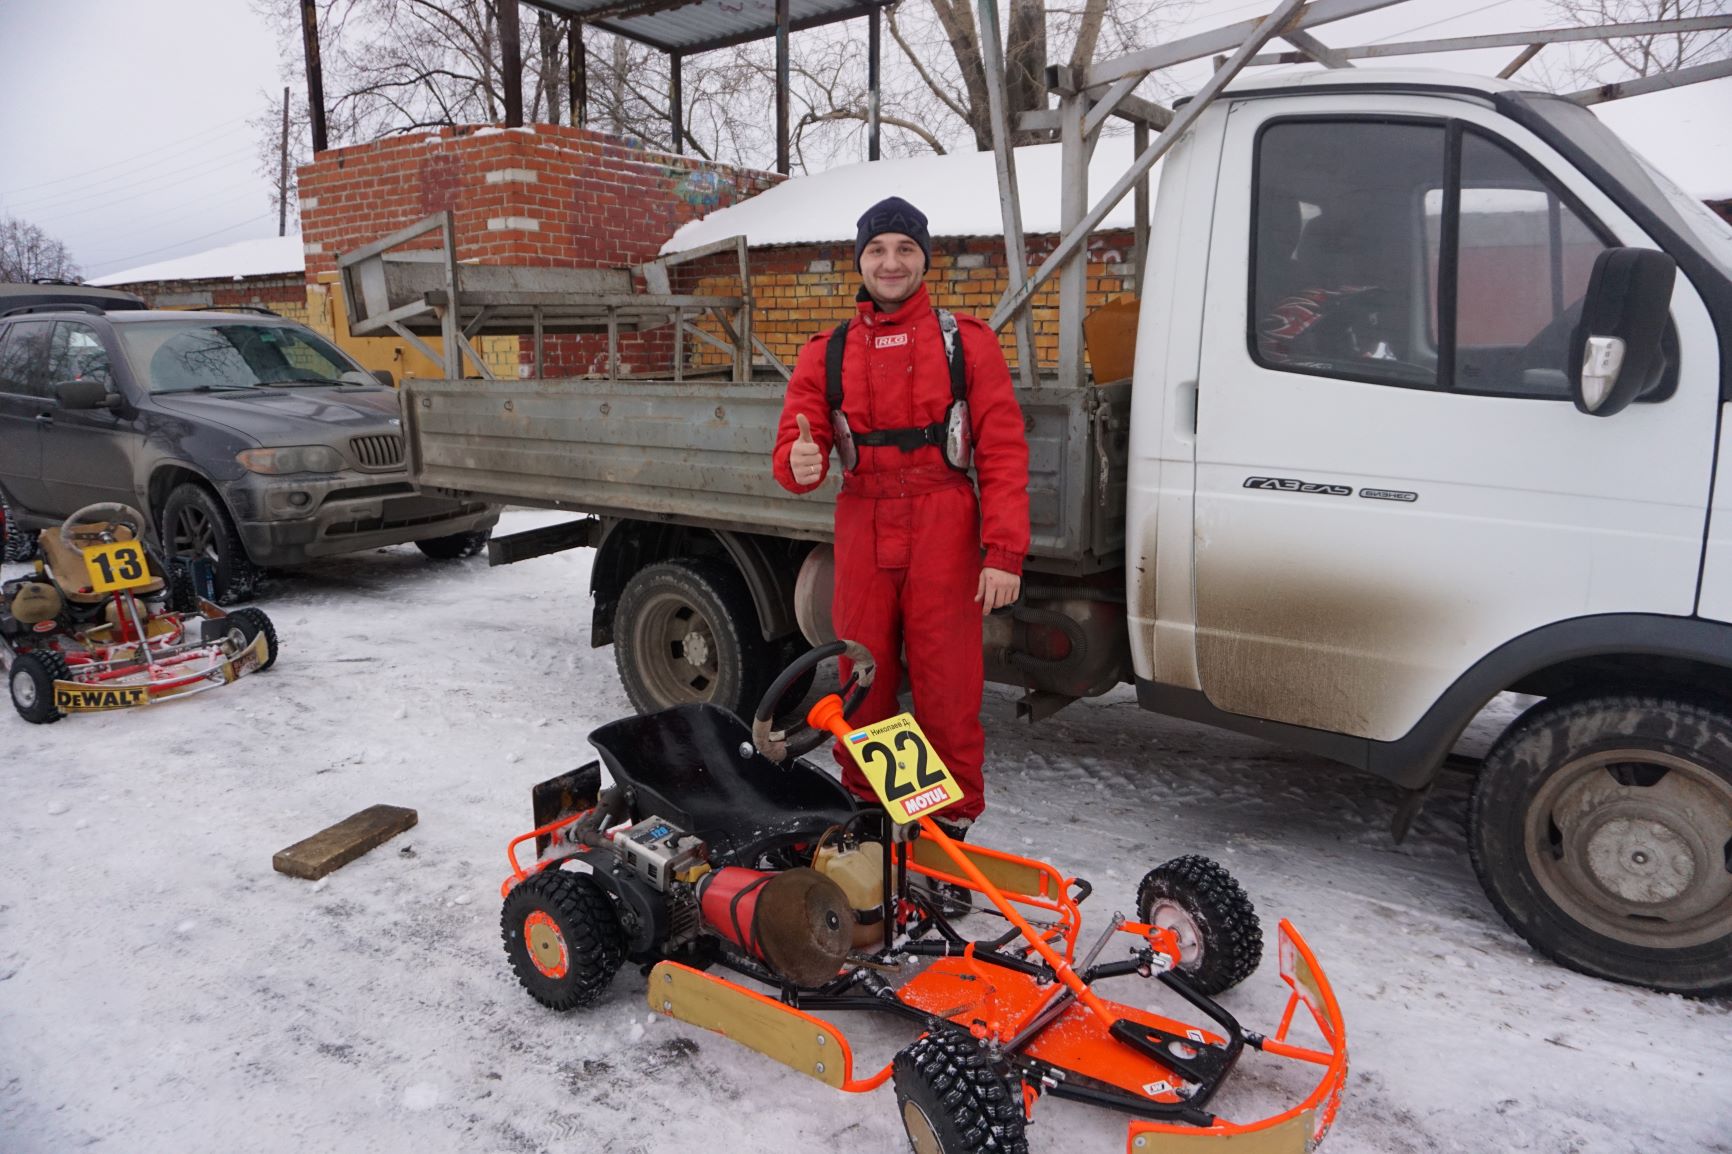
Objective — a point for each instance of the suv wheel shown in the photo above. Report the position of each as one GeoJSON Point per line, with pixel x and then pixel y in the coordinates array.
{"type": "Point", "coordinates": [16, 542]}
{"type": "Point", "coordinates": [195, 524]}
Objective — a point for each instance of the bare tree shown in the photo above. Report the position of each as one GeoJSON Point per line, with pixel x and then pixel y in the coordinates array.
{"type": "Point", "coordinates": [1627, 57]}
{"type": "Point", "coordinates": [27, 253]}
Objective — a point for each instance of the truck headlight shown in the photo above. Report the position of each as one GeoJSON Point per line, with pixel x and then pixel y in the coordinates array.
{"type": "Point", "coordinates": [293, 459]}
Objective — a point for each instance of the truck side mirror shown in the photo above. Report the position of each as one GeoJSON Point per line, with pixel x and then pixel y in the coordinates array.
{"type": "Point", "coordinates": [84, 394]}
{"type": "Point", "coordinates": [384, 377]}
{"type": "Point", "coordinates": [1616, 351]}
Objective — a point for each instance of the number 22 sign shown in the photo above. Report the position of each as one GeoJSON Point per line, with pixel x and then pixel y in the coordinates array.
{"type": "Point", "coordinates": [906, 773]}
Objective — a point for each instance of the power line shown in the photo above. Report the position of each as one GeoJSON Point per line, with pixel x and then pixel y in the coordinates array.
{"type": "Point", "coordinates": [178, 244]}
{"type": "Point", "coordinates": [151, 184]}
{"type": "Point", "coordinates": [124, 160]}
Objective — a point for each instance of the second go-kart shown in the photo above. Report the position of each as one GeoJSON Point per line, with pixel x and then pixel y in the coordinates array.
{"type": "Point", "coordinates": [712, 851]}
{"type": "Point", "coordinates": [102, 623]}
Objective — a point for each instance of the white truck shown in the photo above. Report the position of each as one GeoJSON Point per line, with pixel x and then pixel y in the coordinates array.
{"type": "Point", "coordinates": [1432, 401]}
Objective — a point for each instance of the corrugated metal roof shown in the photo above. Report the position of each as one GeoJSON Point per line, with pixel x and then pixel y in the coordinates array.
{"type": "Point", "coordinates": [696, 25]}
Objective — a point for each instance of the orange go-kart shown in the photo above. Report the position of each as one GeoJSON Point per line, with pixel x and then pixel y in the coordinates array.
{"type": "Point", "coordinates": [103, 624]}
{"type": "Point", "coordinates": [712, 851]}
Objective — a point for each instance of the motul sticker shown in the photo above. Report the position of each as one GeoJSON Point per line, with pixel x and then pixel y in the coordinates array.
{"type": "Point", "coordinates": [890, 341]}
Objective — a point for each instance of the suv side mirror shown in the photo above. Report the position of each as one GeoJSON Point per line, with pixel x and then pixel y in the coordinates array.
{"type": "Point", "coordinates": [85, 394]}
{"type": "Point", "coordinates": [384, 377]}
{"type": "Point", "coordinates": [1616, 351]}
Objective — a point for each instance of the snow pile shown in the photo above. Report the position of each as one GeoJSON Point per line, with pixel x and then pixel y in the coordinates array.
{"type": "Point", "coordinates": [271, 256]}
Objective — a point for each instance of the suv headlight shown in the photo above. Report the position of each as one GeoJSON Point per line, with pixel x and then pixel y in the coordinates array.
{"type": "Point", "coordinates": [294, 459]}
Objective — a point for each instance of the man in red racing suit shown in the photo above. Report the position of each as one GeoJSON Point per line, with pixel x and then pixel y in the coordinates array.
{"type": "Point", "coordinates": [919, 557]}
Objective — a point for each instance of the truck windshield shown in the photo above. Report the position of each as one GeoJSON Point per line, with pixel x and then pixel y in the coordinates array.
{"type": "Point", "coordinates": [1687, 216]}
{"type": "Point", "coordinates": [182, 357]}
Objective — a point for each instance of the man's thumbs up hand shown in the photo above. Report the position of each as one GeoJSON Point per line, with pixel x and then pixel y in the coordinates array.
{"type": "Point", "coordinates": [805, 459]}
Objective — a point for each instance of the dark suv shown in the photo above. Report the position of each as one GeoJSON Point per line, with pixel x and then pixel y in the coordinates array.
{"type": "Point", "coordinates": [250, 440]}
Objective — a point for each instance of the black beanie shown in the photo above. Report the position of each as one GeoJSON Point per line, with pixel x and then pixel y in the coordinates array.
{"type": "Point", "coordinates": [892, 214]}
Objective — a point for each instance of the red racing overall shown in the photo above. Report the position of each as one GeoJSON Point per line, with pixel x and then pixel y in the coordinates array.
{"type": "Point", "coordinates": [911, 536]}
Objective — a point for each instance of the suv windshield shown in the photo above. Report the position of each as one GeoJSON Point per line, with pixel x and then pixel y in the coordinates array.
{"type": "Point", "coordinates": [181, 357]}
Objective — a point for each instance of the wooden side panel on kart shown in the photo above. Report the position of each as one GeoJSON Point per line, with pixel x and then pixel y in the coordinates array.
{"type": "Point", "coordinates": [1012, 875]}
{"type": "Point", "coordinates": [797, 1040]}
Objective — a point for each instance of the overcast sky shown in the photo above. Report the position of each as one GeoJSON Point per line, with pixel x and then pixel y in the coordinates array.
{"type": "Point", "coordinates": [125, 129]}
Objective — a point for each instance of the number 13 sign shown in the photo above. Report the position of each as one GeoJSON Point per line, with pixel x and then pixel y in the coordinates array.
{"type": "Point", "coordinates": [904, 770]}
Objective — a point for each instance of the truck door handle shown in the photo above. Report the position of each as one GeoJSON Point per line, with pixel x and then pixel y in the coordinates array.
{"type": "Point", "coordinates": [44, 418]}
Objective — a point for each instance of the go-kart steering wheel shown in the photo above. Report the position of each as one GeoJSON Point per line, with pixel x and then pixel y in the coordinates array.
{"type": "Point", "coordinates": [110, 513]}
{"type": "Point", "coordinates": [779, 745]}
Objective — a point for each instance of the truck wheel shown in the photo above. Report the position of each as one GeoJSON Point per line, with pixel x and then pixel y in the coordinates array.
{"type": "Point", "coordinates": [456, 546]}
{"type": "Point", "coordinates": [1601, 829]}
{"type": "Point", "coordinates": [32, 679]}
{"type": "Point", "coordinates": [16, 542]}
{"type": "Point", "coordinates": [195, 524]}
{"type": "Point", "coordinates": [953, 1101]}
{"type": "Point", "coordinates": [687, 631]}
{"type": "Point", "coordinates": [1220, 938]}
{"type": "Point", "coordinates": [562, 937]}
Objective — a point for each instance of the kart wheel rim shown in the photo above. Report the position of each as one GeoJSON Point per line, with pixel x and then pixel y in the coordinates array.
{"type": "Point", "coordinates": [1633, 844]}
{"type": "Point", "coordinates": [922, 1135]}
{"type": "Point", "coordinates": [546, 945]}
{"type": "Point", "coordinates": [1170, 915]}
{"type": "Point", "coordinates": [680, 656]}
{"type": "Point", "coordinates": [24, 689]}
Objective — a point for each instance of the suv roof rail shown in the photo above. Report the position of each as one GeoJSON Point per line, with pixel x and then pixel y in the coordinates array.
{"type": "Point", "coordinates": [57, 307]}
{"type": "Point", "coordinates": [260, 309]}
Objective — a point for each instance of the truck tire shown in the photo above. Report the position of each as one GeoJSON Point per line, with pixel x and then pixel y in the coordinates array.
{"type": "Point", "coordinates": [195, 524]}
{"type": "Point", "coordinates": [16, 542]}
{"type": "Point", "coordinates": [686, 631]}
{"type": "Point", "coordinates": [1601, 829]}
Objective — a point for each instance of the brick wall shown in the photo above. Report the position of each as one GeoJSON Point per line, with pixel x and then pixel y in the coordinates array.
{"type": "Point", "coordinates": [548, 195]}
{"type": "Point", "coordinates": [800, 290]}
{"type": "Point", "coordinates": [286, 295]}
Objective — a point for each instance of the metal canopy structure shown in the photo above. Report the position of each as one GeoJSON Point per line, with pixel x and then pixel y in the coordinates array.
{"type": "Point", "coordinates": [1105, 89]}
{"type": "Point", "coordinates": [682, 28]}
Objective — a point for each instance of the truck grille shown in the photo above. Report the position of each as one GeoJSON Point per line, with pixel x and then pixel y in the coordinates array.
{"type": "Point", "coordinates": [384, 451]}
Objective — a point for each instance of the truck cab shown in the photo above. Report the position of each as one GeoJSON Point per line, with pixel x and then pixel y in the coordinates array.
{"type": "Point", "coordinates": [1368, 494]}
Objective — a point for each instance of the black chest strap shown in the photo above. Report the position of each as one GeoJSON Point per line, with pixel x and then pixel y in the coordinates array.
{"type": "Point", "coordinates": [908, 439]}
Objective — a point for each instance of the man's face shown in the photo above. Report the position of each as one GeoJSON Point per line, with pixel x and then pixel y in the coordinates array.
{"type": "Point", "coordinates": [892, 266]}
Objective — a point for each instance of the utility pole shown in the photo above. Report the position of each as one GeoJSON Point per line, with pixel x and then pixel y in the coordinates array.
{"type": "Point", "coordinates": [511, 63]}
{"type": "Point", "coordinates": [315, 71]}
{"type": "Point", "coordinates": [283, 171]}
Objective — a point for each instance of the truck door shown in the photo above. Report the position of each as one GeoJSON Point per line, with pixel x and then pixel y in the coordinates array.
{"type": "Point", "coordinates": [24, 402]}
{"type": "Point", "coordinates": [86, 454]}
{"type": "Point", "coordinates": [1391, 479]}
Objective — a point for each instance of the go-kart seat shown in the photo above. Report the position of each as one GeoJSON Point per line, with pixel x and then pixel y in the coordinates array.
{"type": "Point", "coordinates": [67, 567]}
{"type": "Point", "coordinates": [684, 764]}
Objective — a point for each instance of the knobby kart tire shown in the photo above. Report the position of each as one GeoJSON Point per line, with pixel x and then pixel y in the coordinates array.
{"type": "Point", "coordinates": [195, 524]}
{"type": "Point", "coordinates": [1601, 829]}
{"type": "Point", "coordinates": [16, 542]}
{"type": "Point", "coordinates": [562, 937]}
{"type": "Point", "coordinates": [687, 631]}
{"type": "Point", "coordinates": [253, 622]}
{"type": "Point", "coordinates": [31, 680]}
{"type": "Point", "coordinates": [182, 590]}
{"type": "Point", "coordinates": [952, 1101]}
{"type": "Point", "coordinates": [455, 546]}
{"type": "Point", "coordinates": [1220, 936]}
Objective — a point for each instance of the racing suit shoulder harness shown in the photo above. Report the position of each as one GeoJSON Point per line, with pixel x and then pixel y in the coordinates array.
{"type": "Point", "coordinates": [953, 434]}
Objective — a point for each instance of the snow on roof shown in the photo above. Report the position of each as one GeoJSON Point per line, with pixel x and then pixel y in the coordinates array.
{"type": "Point", "coordinates": [959, 192]}
{"type": "Point", "coordinates": [271, 256]}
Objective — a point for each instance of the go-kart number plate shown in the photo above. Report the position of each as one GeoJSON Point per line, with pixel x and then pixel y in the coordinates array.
{"type": "Point", "coordinates": [116, 565]}
{"type": "Point", "coordinates": [905, 771]}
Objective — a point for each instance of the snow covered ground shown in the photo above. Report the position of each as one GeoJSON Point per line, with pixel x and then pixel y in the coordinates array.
{"type": "Point", "coordinates": [162, 989]}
